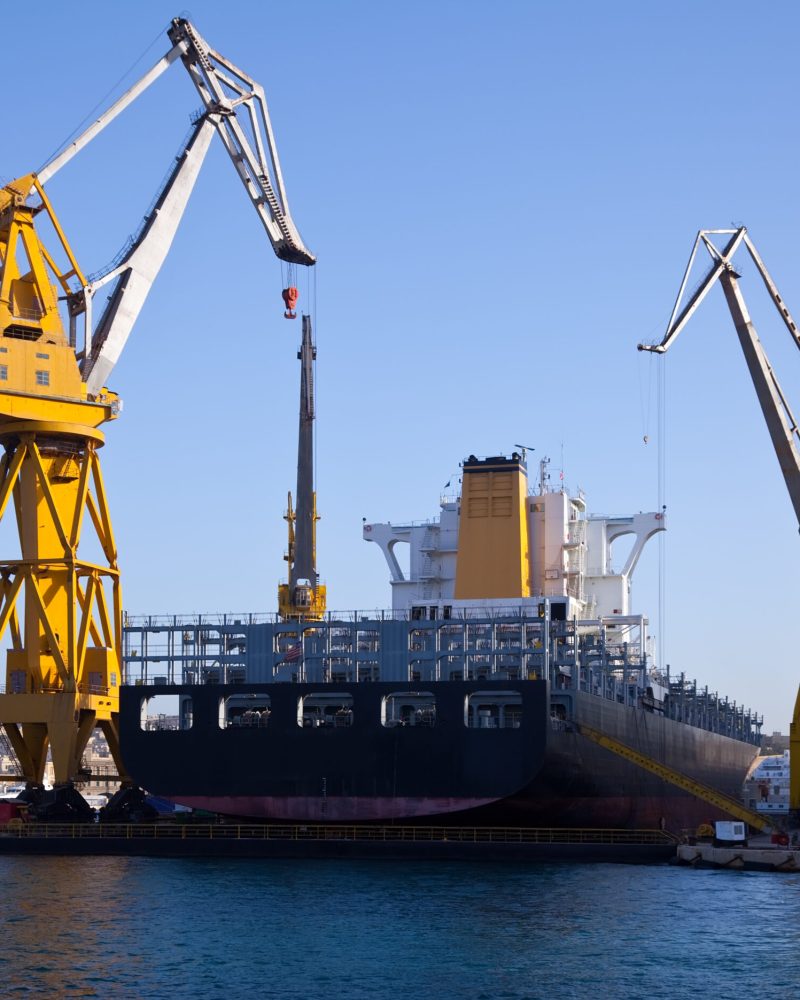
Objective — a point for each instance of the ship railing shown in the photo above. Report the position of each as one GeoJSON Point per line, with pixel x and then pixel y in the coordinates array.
{"type": "Point", "coordinates": [32, 315]}
{"type": "Point", "coordinates": [317, 832]}
{"type": "Point", "coordinates": [194, 618]}
{"type": "Point", "coordinates": [227, 619]}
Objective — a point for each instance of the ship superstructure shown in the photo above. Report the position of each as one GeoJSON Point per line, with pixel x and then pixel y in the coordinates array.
{"type": "Point", "coordinates": [500, 541]}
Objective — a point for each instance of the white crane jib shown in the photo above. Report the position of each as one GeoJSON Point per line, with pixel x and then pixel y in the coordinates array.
{"type": "Point", "coordinates": [781, 423]}
{"type": "Point", "coordinates": [236, 108]}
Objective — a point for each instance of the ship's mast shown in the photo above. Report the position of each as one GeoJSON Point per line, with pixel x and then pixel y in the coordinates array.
{"type": "Point", "coordinates": [304, 555]}
{"type": "Point", "coordinates": [303, 597]}
{"type": "Point", "coordinates": [544, 475]}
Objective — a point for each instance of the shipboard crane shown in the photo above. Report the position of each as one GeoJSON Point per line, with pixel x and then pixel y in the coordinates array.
{"type": "Point", "coordinates": [304, 597]}
{"type": "Point", "coordinates": [781, 423]}
{"type": "Point", "coordinates": [61, 612]}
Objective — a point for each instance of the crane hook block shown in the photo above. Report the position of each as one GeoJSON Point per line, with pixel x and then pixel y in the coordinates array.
{"type": "Point", "coordinates": [290, 297]}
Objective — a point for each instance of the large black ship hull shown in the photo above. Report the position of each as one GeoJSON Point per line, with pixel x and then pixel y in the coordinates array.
{"type": "Point", "coordinates": [536, 773]}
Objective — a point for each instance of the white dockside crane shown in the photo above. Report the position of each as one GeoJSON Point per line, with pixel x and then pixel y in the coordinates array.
{"type": "Point", "coordinates": [235, 107]}
{"type": "Point", "coordinates": [781, 423]}
{"type": "Point", "coordinates": [780, 420]}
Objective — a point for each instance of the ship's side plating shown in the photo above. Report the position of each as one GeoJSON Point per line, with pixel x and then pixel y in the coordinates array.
{"type": "Point", "coordinates": [342, 754]}
{"type": "Point", "coordinates": [582, 784]}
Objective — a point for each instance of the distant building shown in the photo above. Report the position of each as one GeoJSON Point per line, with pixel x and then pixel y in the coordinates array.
{"type": "Point", "coordinates": [774, 743]}
{"type": "Point", "coordinates": [98, 775]}
{"type": "Point", "coordinates": [98, 771]}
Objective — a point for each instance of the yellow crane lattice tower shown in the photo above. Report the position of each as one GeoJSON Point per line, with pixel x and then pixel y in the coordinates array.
{"type": "Point", "coordinates": [61, 615]}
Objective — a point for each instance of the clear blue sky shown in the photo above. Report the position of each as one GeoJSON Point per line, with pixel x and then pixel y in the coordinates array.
{"type": "Point", "coordinates": [502, 199]}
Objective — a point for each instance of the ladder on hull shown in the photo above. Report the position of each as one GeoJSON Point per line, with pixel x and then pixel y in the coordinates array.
{"type": "Point", "coordinates": [696, 788]}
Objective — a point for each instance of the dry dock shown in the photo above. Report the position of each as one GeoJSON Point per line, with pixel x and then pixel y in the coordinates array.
{"type": "Point", "coordinates": [767, 859]}
{"type": "Point", "coordinates": [326, 841]}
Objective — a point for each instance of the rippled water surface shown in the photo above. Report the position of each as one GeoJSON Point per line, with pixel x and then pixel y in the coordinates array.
{"type": "Point", "coordinates": [130, 927]}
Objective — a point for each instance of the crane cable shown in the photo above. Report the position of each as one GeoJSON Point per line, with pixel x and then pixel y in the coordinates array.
{"type": "Point", "coordinates": [662, 487]}
{"type": "Point", "coordinates": [101, 103]}
{"type": "Point", "coordinates": [645, 404]}
{"type": "Point", "coordinates": [646, 397]}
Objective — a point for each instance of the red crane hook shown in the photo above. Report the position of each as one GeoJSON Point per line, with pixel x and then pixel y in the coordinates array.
{"type": "Point", "coordinates": [290, 297]}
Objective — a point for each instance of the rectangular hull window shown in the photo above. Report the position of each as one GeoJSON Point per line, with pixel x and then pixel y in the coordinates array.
{"type": "Point", "coordinates": [244, 711]}
{"type": "Point", "coordinates": [325, 711]}
{"type": "Point", "coordinates": [409, 708]}
{"type": "Point", "coordinates": [493, 710]}
{"type": "Point", "coordinates": [167, 712]}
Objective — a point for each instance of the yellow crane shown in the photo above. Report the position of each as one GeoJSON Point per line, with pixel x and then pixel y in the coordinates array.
{"type": "Point", "coordinates": [63, 667]}
{"type": "Point", "coordinates": [62, 612]}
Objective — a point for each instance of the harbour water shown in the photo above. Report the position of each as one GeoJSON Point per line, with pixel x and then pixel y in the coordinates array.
{"type": "Point", "coordinates": [145, 928]}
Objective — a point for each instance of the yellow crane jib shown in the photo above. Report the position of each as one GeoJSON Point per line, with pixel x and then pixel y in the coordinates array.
{"type": "Point", "coordinates": [696, 788]}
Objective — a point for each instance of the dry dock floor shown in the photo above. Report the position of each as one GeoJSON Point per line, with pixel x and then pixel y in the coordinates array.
{"type": "Point", "coordinates": [322, 841]}
{"type": "Point", "coordinates": [769, 859]}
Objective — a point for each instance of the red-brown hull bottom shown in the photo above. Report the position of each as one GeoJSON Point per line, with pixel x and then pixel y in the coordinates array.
{"type": "Point", "coordinates": [294, 809]}
{"type": "Point", "coordinates": [669, 812]}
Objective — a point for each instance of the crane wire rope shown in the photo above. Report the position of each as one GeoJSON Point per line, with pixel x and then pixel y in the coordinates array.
{"type": "Point", "coordinates": [103, 100]}
{"type": "Point", "coordinates": [656, 371]}
{"type": "Point", "coordinates": [662, 486]}
{"type": "Point", "coordinates": [646, 397]}
{"type": "Point", "coordinates": [660, 373]}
